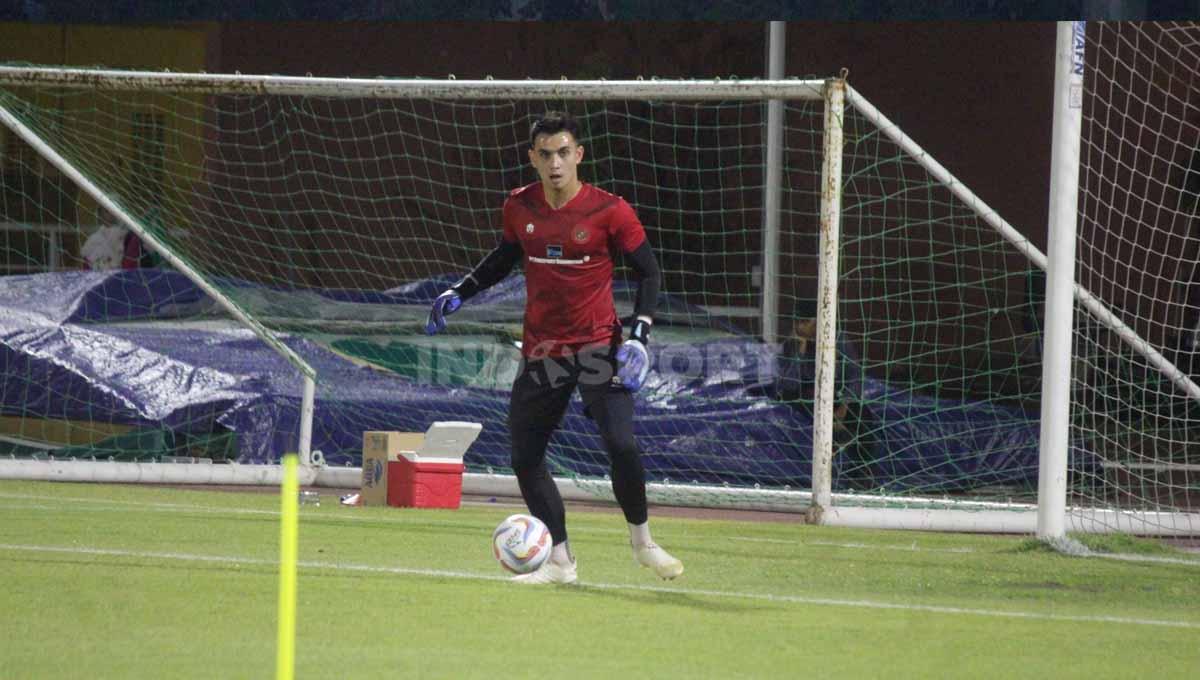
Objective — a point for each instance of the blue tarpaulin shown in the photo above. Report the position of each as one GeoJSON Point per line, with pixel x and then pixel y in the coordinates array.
{"type": "Point", "coordinates": [147, 348]}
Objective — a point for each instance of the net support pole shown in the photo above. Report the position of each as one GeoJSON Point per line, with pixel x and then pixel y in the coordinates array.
{"type": "Point", "coordinates": [307, 403]}
{"type": "Point", "coordinates": [827, 301]}
{"type": "Point", "coordinates": [771, 189]}
{"type": "Point", "coordinates": [151, 240]}
{"type": "Point", "coordinates": [1060, 281]}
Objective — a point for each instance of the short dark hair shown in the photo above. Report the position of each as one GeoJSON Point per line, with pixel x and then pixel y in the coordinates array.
{"type": "Point", "coordinates": [551, 123]}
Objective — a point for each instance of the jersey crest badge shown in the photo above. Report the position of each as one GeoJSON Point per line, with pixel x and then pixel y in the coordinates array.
{"type": "Point", "coordinates": [529, 228]}
{"type": "Point", "coordinates": [580, 234]}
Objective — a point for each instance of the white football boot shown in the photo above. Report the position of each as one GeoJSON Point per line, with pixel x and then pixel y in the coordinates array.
{"type": "Point", "coordinates": [550, 572]}
{"type": "Point", "coordinates": [663, 564]}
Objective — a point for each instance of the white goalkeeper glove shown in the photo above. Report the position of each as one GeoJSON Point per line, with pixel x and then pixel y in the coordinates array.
{"type": "Point", "coordinates": [633, 361]}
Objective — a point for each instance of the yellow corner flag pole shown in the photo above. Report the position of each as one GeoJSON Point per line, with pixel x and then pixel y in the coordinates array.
{"type": "Point", "coordinates": [289, 493]}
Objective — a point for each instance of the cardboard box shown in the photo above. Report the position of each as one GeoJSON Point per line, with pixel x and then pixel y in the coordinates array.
{"type": "Point", "coordinates": [380, 448]}
{"type": "Point", "coordinates": [416, 469]}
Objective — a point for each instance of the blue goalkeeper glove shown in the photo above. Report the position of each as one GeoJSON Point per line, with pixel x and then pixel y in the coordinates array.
{"type": "Point", "coordinates": [633, 362]}
{"type": "Point", "coordinates": [447, 303]}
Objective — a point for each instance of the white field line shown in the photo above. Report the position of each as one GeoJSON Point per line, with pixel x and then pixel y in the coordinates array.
{"type": "Point", "coordinates": [1153, 559]}
{"type": "Point", "coordinates": [126, 506]}
{"type": "Point", "coordinates": [767, 597]}
{"type": "Point", "coordinates": [426, 520]}
{"type": "Point", "coordinates": [1120, 557]}
{"type": "Point", "coordinates": [207, 509]}
{"type": "Point", "coordinates": [191, 507]}
{"type": "Point", "coordinates": [912, 547]}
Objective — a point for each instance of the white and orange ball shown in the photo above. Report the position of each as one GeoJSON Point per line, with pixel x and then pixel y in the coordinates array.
{"type": "Point", "coordinates": [521, 543]}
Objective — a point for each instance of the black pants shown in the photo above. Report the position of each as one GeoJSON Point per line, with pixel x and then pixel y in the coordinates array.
{"type": "Point", "coordinates": [540, 396]}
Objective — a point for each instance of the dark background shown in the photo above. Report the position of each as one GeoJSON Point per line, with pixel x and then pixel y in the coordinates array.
{"type": "Point", "coordinates": [558, 10]}
{"type": "Point", "coordinates": [976, 95]}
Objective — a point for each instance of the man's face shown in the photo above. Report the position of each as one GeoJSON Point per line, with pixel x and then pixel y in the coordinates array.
{"type": "Point", "coordinates": [556, 157]}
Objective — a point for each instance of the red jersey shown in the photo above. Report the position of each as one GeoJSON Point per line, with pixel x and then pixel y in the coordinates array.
{"type": "Point", "coordinates": [569, 265]}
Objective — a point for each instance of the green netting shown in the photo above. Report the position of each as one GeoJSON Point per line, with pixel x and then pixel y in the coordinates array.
{"type": "Point", "coordinates": [273, 198]}
{"type": "Point", "coordinates": [939, 382]}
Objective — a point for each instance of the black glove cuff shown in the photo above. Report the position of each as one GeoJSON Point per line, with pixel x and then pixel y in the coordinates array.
{"type": "Point", "coordinates": [467, 288]}
{"type": "Point", "coordinates": [640, 332]}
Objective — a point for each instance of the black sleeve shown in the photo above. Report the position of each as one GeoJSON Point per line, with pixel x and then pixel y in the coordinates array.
{"type": "Point", "coordinates": [646, 267]}
{"type": "Point", "coordinates": [491, 270]}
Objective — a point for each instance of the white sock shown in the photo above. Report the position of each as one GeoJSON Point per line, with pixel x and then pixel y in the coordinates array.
{"type": "Point", "coordinates": [561, 553]}
{"type": "Point", "coordinates": [639, 534]}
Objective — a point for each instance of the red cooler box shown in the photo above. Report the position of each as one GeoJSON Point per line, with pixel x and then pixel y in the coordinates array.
{"type": "Point", "coordinates": [414, 484]}
{"type": "Point", "coordinates": [414, 470]}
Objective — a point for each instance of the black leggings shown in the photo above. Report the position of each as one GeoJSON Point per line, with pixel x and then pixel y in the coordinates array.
{"type": "Point", "coordinates": [540, 396]}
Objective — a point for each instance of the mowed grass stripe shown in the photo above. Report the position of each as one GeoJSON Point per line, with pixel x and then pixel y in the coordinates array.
{"type": "Point", "coordinates": [445, 574]}
{"type": "Point", "coordinates": [389, 592]}
{"type": "Point", "coordinates": [125, 506]}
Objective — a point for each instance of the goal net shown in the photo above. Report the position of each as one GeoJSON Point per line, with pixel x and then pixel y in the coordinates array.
{"type": "Point", "coordinates": [258, 230]}
{"type": "Point", "coordinates": [323, 216]}
{"type": "Point", "coordinates": [1137, 251]}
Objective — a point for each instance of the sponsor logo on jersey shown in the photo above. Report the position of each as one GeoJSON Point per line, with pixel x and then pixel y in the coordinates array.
{"type": "Point", "coordinates": [580, 234]}
{"type": "Point", "coordinates": [554, 251]}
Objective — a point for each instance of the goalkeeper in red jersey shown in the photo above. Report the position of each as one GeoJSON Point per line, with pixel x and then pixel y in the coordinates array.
{"type": "Point", "coordinates": [567, 232]}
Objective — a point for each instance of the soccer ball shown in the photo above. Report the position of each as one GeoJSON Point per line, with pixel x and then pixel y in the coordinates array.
{"type": "Point", "coordinates": [521, 543]}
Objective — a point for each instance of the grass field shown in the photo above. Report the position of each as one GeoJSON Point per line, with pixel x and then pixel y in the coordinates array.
{"type": "Point", "coordinates": [136, 582]}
